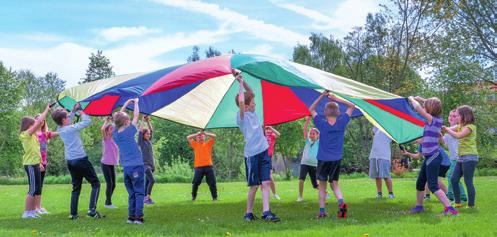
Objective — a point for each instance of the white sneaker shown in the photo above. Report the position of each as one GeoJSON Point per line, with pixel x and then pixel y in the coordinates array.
{"type": "Point", "coordinates": [111, 206]}
{"type": "Point", "coordinates": [26, 215]}
{"type": "Point", "coordinates": [391, 196]}
{"type": "Point", "coordinates": [276, 197]}
{"type": "Point", "coordinates": [42, 211]}
{"type": "Point", "coordinates": [300, 199]}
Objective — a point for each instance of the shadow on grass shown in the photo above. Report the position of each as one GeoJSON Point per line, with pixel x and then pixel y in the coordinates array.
{"type": "Point", "coordinates": [220, 218]}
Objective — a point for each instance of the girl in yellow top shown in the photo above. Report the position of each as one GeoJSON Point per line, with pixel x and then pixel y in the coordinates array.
{"type": "Point", "coordinates": [31, 161]}
{"type": "Point", "coordinates": [468, 153]}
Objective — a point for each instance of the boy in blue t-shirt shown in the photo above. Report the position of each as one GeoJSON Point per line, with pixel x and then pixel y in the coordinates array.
{"type": "Point", "coordinates": [331, 128]}
{"type": "Point", "coordinates": [131, 160]}
{"type": "Point", "coordinates": [257, 161]}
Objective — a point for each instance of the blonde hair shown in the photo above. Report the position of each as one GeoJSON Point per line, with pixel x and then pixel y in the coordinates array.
{"type": "Point", "coordinates": [120, 118]}
{"type": "Point", "coordinates": [312, 129]}
{"type": "Point", "coordinates": [331, 109]}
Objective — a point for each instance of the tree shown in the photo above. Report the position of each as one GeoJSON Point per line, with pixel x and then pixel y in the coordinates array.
{"type": "Point", "coordinates": [212, 52]}
{"type": "Point", "coordinates": [195, 56]}
{"type": "Point", "coordinates": [98, 68]}
{"type": "Point", "coordinates": [11, 96]}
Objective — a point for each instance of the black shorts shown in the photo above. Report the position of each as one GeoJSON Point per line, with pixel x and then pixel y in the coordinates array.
{"type": "Point", "coordinates": [442, 172]}
{"type": "Point", "coordinates": [328, 170]}
{"type": "Point", "coordinates": [306, 169]}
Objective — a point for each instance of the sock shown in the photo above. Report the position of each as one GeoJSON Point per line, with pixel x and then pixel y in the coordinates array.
{"type": "Point", "coordinates": [379, 193]}
{"type": "Point", "coordinates": [322, 210]}
{"type": "Point", "coordinates": [340, 201]}
{"type": "Point", "coordinates": [266, 213]}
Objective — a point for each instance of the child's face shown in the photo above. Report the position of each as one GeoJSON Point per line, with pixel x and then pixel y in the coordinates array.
{"type": "Point", "coordinates": [313, 135]}
{"type": "Point", "coordinates": [251, 106]}
{"type": "Point", "coordinates": [66, 121]}
{"type": "Point", "coordinates": [146, 135]}
{"type": "Point", "coordinates": [453, 118]}
{"type": "Point", "coordinates": [267, 131]}
{"type": "Point", "coordinates": [201, 137]}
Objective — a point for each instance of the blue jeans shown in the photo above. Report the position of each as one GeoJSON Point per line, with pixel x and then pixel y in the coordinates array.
{"type": "Point", "coordinates": [429, 174]}
{"type": "Point", "coordinates": [134, 180]}
{"type": "Point", "coordinates": [467, 170]}
{"type": "Point", "coordinates": [450, 193]}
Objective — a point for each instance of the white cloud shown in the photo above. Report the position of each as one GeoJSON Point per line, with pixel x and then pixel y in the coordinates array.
{"type": "Point", "coordinates": [237, 22]}
{"type": "Point", "coordinates": [42, 37]}
{"type": "Point", "coordinates": [70, 60]}
{"type": "Point", "coordinates": [344, 17]}
{"type": "Point", "coordinates": [122, 32]}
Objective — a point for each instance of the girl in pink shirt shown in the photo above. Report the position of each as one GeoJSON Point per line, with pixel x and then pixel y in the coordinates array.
{"type": "Point", "coordinates": [43, 135]}
{"type": "Point", "coordinates": [109, 161]}
{"type": "Point", "coordinates": [271, 136]}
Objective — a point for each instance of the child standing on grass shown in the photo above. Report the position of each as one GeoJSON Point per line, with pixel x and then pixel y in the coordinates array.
{"type": "Point", "coordinates": [308, 162]}
{"type": "Point", "coordinates": [43, 135]}
{"type": "Point", "coordinates": [202, 162]}
{"type": "Point", "coordinates": [31, 160]}
{"type": "Point", "coordinates": [380, 162]}
{"type": "Point", "coordinates": [431, 111]}
{"type": "Point", "coordinates": [257, 161]}
{"type": "Point", "coordinates": [109, 161]}
{"type": "Point", "coordinates": [331, 128]}
{"type": "Point", "coordinates": [131, 160]}
{"type": "Point", "coordinates": [468, 154]}
{"type": "Point", "coordinates": [77, 161]}
{"type": "Point", "coordinates": [271, 135]}
{"type": "Point", "coordinates": [452, 144]}
{"type": "Point", "coordinates": [145, 143]}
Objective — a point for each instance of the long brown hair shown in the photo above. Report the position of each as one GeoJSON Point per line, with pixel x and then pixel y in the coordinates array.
{"type": "Point", "coordinates": [433, 106]}
{"type": "Point", "coordinates": [466, 115]}
{"type": "Point", "coordinates": [44, 127]}
{"type": "Point", "coordinates": [26, 122]}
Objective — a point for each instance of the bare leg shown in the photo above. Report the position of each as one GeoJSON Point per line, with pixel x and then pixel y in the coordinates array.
{"type": "Point", "coordinates": [301, 188]}
{"type": "Point", "coordinates": [37, 201]}
{"type": "Point", "coordinates": [442, 186]}
{"type": "Point", "coordinates": [336, 190]}
{"type": "Point", "coordinates": [272, 185]}
{"type": "Point", "coordinates": [322, 193]}
{"type": "Point", "coordinates": [265, 196]}
{"type": "Point", "coordinates": [442, 197]}
{"type": "Point", "coordinates": [388, 183]}
{"type": "Point", "coordinates": [251, 197]}
{"type": "Point", "coordinates": [419, 198]}
{"type": "Point", "coordinates": [30, 203]}
{"type": "Point", "coordinates": [378, 185]}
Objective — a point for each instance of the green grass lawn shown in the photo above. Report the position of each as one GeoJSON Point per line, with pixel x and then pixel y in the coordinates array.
{"type": "Point", "coordinates": [175, 215]}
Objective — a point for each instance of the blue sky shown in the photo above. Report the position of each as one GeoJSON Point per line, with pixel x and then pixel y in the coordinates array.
{"type": "Point", "coordinates": [141, 36]}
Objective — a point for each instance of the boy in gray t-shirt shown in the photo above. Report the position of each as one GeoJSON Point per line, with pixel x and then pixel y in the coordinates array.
{"type": "Point", "coordinates": [379, 162]}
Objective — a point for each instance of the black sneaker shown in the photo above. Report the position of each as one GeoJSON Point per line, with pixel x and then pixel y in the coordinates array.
{"type": "Point", "coordinates": [249, 217]}
{"type": "Point", "coordinates": [194, 198]}
{"type": "Point", "coordinates": [270, 217]}
{"type": "Point", "coordinates": [73, 217]}
{"type": "Point", "coordinates": [131, 220]}
{"type": "Point", "coordinates": [139, 220]}
{"type": "Point", "coordinates": [95, 215]}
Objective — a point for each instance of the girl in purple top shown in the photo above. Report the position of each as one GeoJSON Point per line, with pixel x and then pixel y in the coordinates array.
{"type": "Point", "coordinates": [43, 135]}
{"type": "Point", "coordinates": [431, 112]}
{"type": "Point", "coordinates": [109, 160]}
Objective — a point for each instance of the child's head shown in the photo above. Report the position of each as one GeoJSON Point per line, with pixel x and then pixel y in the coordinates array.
{"type": "Point", "coordinates": [26, 123]}
{"type": "Point", "coordinates": [466, 115]}
{"type": "Point", "coordinates": [146, 134]}
{"type": "Point", "coordinates": [331, 109]}
{"type": "Point", "coordinates": [201, 137]}
{"type": "Point", "coordinates": [59, 116]}
{"type": "Point", "coordinates": [249, 102]}
{"type": "Point", "coordinates": [453, 117]}
{"type": "Point", "coordinates": [433, 106]}
{"type": "Point", "coordinates": [108, 130]}
{"type": "Point", "coordinates": [43, 126]}
{"type": "Point", "coordinates": [267, 131]}
{"type": "Point", "coordinates": [121, 119]}
{"type": "Point", "coordinates": [313, 134]}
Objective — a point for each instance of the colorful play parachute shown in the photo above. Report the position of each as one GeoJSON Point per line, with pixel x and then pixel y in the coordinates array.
{"type": "Point", "coordinates": [202, 94]}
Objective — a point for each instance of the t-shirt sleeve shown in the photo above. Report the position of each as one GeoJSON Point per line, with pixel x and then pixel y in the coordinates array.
{"type": "Point", "coordinates": [344, 120]}
{"type": "Point", "coordinates": [318, 121]}
{"type": "Point", "coordinates": [211, 141]}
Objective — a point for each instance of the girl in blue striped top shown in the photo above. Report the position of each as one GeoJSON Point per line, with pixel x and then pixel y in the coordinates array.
{"type": "Point", "coordinates": [431, 110]}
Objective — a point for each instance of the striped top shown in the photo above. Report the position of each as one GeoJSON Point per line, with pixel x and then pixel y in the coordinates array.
{"type": "Point", "coordinates": [431, 134]}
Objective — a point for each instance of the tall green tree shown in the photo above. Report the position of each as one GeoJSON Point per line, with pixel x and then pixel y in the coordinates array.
{"type": "Point", "coordinates": [98, 68]}
{"type": "Point", "coordinates": [195, 56]}
{"type": "Point", "coordinates": [212, 52]}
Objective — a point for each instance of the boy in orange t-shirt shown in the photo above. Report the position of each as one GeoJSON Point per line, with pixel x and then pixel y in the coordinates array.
{"type": "Point", "coordinates": [203, 162]}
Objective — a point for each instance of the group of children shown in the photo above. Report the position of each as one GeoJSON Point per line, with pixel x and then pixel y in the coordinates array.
{"type": "Point", "coordinates": [320, 161]}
